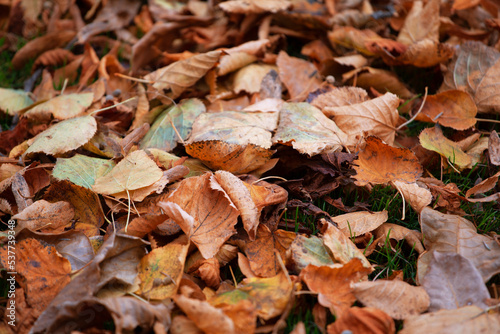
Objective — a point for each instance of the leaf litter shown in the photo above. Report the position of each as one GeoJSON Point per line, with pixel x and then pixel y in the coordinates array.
{"type": "Point", "coordinates": [189, 166]}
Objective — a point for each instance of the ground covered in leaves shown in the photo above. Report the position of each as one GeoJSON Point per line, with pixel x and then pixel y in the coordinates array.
{"type": "Point", "coordinates": [249, 166]}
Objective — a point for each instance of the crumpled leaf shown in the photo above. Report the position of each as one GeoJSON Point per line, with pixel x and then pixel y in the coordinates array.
{"type": "Point", "coordinates": [63, 137]}
{"type": "Point", "coordinates": [308, 130]}
{"type": "Point", "coordinates": [378, 117]}
{"type": "Point", "coordinates": [398, 299]}
{"type": "Point", "coordinates": [81, 170]}
{"type": "Point", "coordinates": [162, 134]}
{"type": "Point", "coordinates": [452, 282]}
{"type": "Point", "coordinates": [184, 73]}
{"type": "Point", "coordinates": [452, 233]}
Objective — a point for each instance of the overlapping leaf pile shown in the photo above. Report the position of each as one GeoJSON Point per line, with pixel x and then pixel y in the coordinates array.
{"type": "Point", "coordinates": [157, 147]}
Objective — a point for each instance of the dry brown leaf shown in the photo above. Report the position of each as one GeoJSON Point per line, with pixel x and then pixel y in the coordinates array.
{"type": "Point", "coordinates": [299, 76]}
{"type": "Point", "coordinates": [204, 211]}
{"type": "Point", "coordinates": [308, 130]}
{"type": "Point", "coordinates": [397, 232]}
{"type": "Point", "coordinates": [452, 233]}
{"type": "Point", "coordinates": [381, 80]}
{"type": "Point", "coordinates": [234, 61]}
{"type": "Point", "coordinates": [453, 108]}
{"type": "Point", "coordinates": [61, 107]}
{"type": "Point", "coordinates": [417, 196]}
{"type": "Point", "coordinates": [452, 282]}
{"type": "Point", "coordinates": [242, 199]}
{"type": "Point", "coordinates": [183, 74]}
{"type": "Point", "coordinates": [380, 163]}
{"type": "Point", "coordinates": [254, 6]}
{"type": "Point", "coordinates": [363, 320]}
{"type": "Point", "coordinates": [424, 53]}
{"type": "Point", "coordinates": [135, 171]}
{"type": "Point", "coordinates": [358, 223]}
{"type": "Point", "coordinates": [483, 187]}
{"type": "Point", "coordinates": [263, 259]}
{"type": "Point", "coordinates": [334, 284]}
{"type": "Point", "coordinates": [342, 96]}
{"type": "Point", "coordinates": [378, 117]}
{"type": "Point", "coordinates": [465, 320]}
{"type": "Point", "coordinates": [494, 148]}
{"type": "Point", "coordinates": [45, 216]}
{"type": "Point", "coordinates": [398, 299]}
{"type": "Point", "coordinates": [422, 22]}
{"type": "Point", "coordinates": [249, 78]}
{"type": "Point", "coordinates": [41, 44]}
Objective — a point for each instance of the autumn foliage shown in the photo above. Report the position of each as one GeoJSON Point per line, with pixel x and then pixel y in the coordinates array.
{"type": "Point", "coordinates": [159, 149]}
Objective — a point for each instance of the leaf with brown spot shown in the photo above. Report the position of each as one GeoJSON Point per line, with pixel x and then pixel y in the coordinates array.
{"type": "Point", "coordinates": [334, 284]}
{"type": "Point", "coordinates": [380, 163]}
{"type": "Point", "coordinates": [45, 216]}
{"type": "Point", "coordinates": [398, 299]}
{"type": "Point", "coordinates": [160, 271]}
{"type": "Point", "coordinates": [44, 270]}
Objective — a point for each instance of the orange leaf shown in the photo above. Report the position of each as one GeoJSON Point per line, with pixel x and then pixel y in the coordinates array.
{"type": "Point", "coordinates": [363, 320]}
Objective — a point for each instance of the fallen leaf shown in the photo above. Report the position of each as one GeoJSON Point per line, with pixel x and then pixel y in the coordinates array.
{"type": "Point", "coordinates": [452, 233]}
{"type": "Point", "coordinates": [204, 212]}
{"type": "Point", "coordinates": [434, 140]}
{"type": "Point", "coordinates": [422, 22]}
{"type": "Point", "coordinates": [308, 130]}
{"type": "Point", "coordinates": [184, 73]}
{"type": "Point", "coordinates": [340, 245]}
{"type": "Point", "coordinates": [298, 75]}
{"type": "Point", "coordinates": [417, 196]}
{"type": "Point", "coordinates": [446, 289]}
{"type": "Point", "coordinates": [61, 107]}
{"type": "Point", "coordinates": [254, 6]}
{"type": "Point", "coordinates": [397, 299]}
{"type": "Point", "coordinates": [452, 108]}
{"type": "Point", "coordinates": [81, 170]}
{"type": "Point", "coordinates": [270, 295]}
{"type": "Point", "coordinates": [249, 78]}
{"type": "Point", "coordinates": [358, 223]}
{"type": "Point", "coordinates": [334, 284]}
{"type": "Point", "coordinates": [494, 148]}
{"type": "Point", "coordinates": [13, 100]}
{"type": "Point", "coordinates": [135, 171]}
{"type": "Point", "coordinates": [262, 255]}
{"type": "Point", "coordinates": [380, 163]}
{"type": "Point", "coordinates": [174, 121]}
{"type": "Point", "coordinates": [363, 320]}
{"type": "Point", "coordinates": [44, 270]}
{"type": "Point", "coordinates": [310, 251]}
{"type": "Point", "coordinates": [62, 137]}
{"type": "Point", "coordinates": [378, 117]}
{"type": "Point", "coordinates": [468, 319]}
{"type": "Point", "coordinates": [482, 188]}
{"type": "Point", "coordinates": [46, 216]}
{"type": "Point", "coordinates": [397, 232]}
{"type": "Point", "coordinates": [160, 271]}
